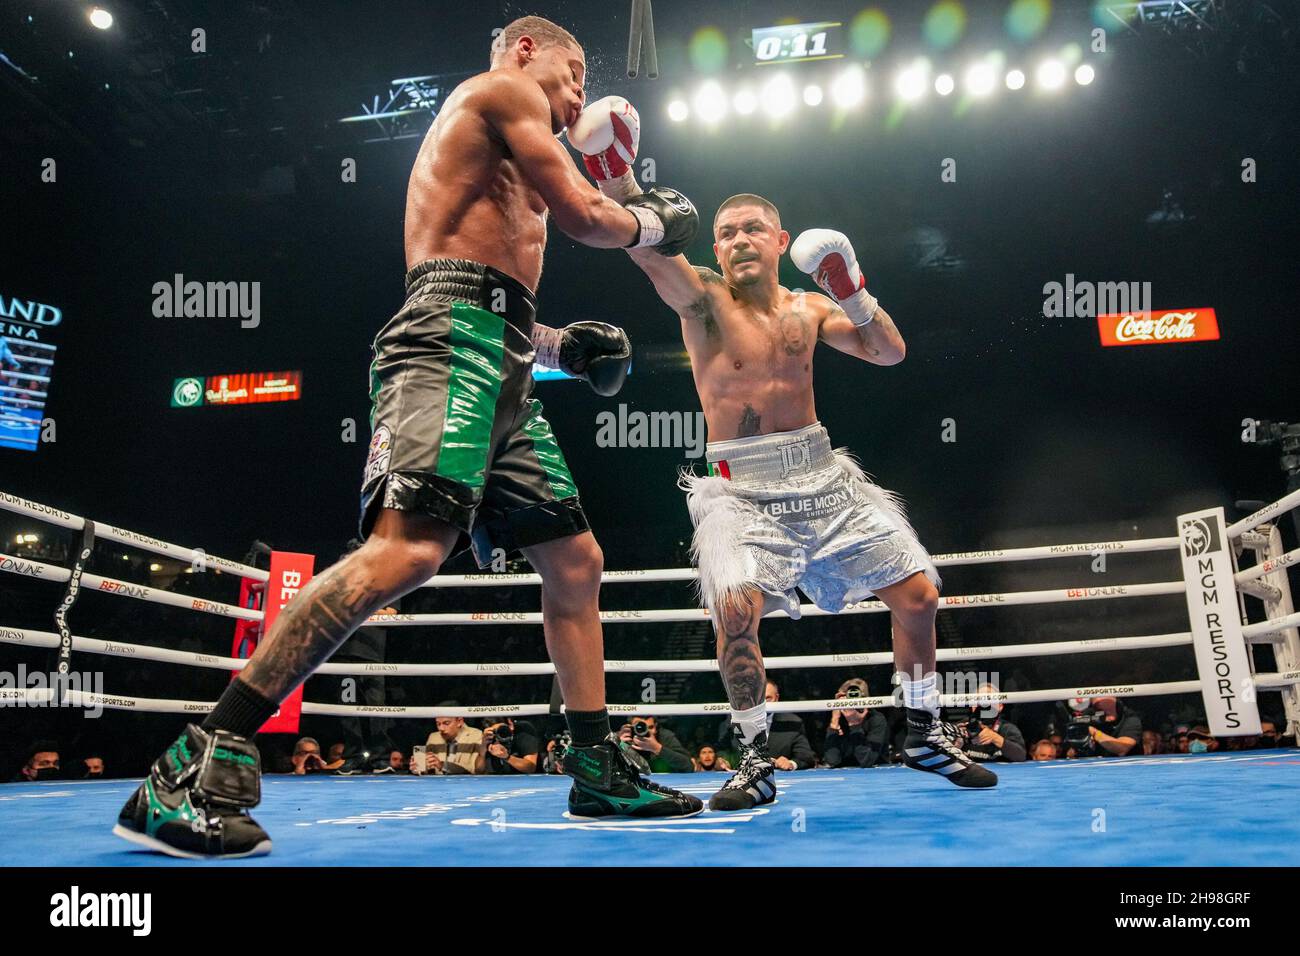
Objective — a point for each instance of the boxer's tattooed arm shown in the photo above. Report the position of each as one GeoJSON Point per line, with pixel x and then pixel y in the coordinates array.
{"type": "Point", "coordinates": [750, 422]}
{"type": "Point", "coordinates": [739, 657]}
{"type": "Point", "coordinates": [702, 309]}
{"type": "Point", "coordinates": [310, 628]}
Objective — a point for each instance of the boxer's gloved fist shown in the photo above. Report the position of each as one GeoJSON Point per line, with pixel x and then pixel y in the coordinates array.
{"type": "Point", "coordinates": [668, 221]}
{"type": "Point", "coordinates": [608, 134]}
{"type": "Point", "coordinates": [828, 257]}
{"type": "Point", "coordinates": [596, 352]}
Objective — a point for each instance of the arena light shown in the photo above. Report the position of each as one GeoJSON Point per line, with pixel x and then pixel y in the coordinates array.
{"type": "Point", "coordinates": [849, 88]}
{"type": "Point", "coordinates": [1084, 74]}
{"type": "Point", "coordinates": [1050, 74]}
{"type": "Point", "coordinates": [981, 79]}
{"type": "Point", "coordinates": [943, 84]}
{"type": "Point", "coordinates": [678, 110]}
{"type": "Point", "coordinates": [778, 96]}
{"type": "Point", "coordinates": [710, 102]}
{"type": "Point", "coordinates": [100, 18]}
{"type": "Point", "coordinates": [912, 82]}
{"type": "Point", "coordinates": [1015, 80]}
{"type": "Point", "coordinates": [745, 102]}
{"type": "Point", "coordinates": [813, 95]}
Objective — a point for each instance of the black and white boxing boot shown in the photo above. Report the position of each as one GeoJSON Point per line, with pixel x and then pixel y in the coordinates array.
{"type": "Point", "coordinates": [929, 746]}
{"type": "Point", "coordinates": [754, 782]}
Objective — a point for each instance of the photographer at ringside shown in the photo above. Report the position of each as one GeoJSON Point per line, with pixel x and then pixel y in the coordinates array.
{"type": "Point", "coordinates": [1100, 727]}
{"type": "Point", "coordinates": [984, 737]}
{"type": "Point", "coordinates": [508, 747]}
{"type": "Point", "coordinates": [856, 737]}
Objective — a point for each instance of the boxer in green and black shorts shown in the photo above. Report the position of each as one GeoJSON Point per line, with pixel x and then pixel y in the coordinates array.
{"type": "Point", "coordinates": [456, 433]}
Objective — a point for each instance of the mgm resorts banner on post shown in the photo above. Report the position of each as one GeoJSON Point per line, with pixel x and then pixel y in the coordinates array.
{"type": "Point", "coordinates": [1226, 683]}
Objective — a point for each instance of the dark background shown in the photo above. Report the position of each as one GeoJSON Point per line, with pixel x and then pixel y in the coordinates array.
{"type": "Point", "coordinates": [226, 167]}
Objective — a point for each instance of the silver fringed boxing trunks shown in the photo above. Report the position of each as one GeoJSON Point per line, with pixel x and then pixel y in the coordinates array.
{"type": "Point", "coordinates": [784, 511]}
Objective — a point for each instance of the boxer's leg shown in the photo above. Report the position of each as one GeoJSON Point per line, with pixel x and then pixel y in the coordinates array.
{"type": "Point", "coordinates": [570, 568]}
{"type": "Point", "coordinates": [740, 661]}
{"type": "Point", "coordinates": [913, 603]}
{"type": "Point", "coordinates": [403, 551]}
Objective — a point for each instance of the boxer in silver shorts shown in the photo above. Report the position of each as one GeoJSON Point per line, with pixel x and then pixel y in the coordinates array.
{"type": "Point", "coordinates": [780, 511]}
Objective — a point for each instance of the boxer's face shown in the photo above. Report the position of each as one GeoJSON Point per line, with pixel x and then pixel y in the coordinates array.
{"type": "Point", "coordinates": [748, 244]}
{"type": "Point", "coordinates": [560, 71]}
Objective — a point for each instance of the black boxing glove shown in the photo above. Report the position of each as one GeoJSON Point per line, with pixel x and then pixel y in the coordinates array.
{"type": "Point", "coordinates": [668, 221]}
{"type": "Point", "coordinates": [596, 352]}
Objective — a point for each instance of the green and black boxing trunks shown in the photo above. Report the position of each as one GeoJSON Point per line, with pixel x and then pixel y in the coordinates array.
{"type": "Point", "coordinates": [455, 431]}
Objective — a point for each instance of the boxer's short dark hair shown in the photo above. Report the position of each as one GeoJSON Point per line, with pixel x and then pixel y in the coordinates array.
{"type": "Point", "coordinates": [747, 199]}
{"type": "Point", "coordinates": [540, 29]}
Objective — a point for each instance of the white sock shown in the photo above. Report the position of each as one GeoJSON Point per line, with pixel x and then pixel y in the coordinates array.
{"type": "Point", "coordinates": [921, 694]}
{"type": "Point", "coordinates": [751, 722]}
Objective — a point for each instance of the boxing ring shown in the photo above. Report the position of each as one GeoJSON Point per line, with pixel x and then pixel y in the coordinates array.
{"type": "Point", "coordinates": [1213, 810]}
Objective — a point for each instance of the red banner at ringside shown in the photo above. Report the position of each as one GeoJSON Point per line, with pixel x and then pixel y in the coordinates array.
{"type": "Point", "coordinates": [290, 573]}
{"type": "Point", "coordinates": [1158, 327]}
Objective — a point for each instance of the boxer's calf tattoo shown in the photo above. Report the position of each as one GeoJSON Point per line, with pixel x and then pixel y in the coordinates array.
{"type": "Point", "coordinates": [739, 658]}
{"type": "Point", "coordinates": [750, 422]}
{"type": "Point", "coordinates": [310, 628]}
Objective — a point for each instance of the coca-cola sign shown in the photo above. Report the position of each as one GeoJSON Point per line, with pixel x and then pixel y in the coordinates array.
{"type": "Point", "coordinates": [1158, 327]}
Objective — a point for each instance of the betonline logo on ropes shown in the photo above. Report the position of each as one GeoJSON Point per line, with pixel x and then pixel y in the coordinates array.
{"type": "Point", "coordinates": [26, 688]}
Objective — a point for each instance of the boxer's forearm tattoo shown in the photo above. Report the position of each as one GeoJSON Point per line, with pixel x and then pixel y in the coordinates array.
{"type": "Point", "coordinates": [309, 629]}
{"type": "Point", "coordinates": [739, 658]}
{"type": "Point", "coordinates": [750, 422]}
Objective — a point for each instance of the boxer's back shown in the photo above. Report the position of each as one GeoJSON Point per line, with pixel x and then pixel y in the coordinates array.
{"type": "Point", "coordinates": [467, 199]}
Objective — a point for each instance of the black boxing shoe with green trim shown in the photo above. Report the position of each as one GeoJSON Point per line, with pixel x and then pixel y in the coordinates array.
{"type": "Point", "coordinates": [194, 803]}
{"type": "Point", "coordinates": [608, 781]}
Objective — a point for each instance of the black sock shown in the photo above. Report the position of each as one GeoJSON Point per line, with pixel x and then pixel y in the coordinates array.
{"type": "Point", "coordinates": [920, 718]}
{"type": "Point", "coordinates": [241, 710]}
{"type": "Point", "coordinates": [587, 727]}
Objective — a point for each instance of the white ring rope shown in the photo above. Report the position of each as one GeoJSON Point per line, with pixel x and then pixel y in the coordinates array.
{"type": "Point", "coordinates": [33, 345]}
{"type": "Point", "coordinates": [95, 582]}
{"type": "Point", "coordinates": [1092, 548]}
{"type": "Point", "coordinates": [145, 652]}
{"type": "Point", "coordinates": [78, 698]}
{"type": "Point", "coordinates": [195, 557]}
{"type": "Point", "coordinates": [24, 391]}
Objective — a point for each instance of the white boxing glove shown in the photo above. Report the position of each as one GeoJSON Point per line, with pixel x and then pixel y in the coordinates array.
{"type": "Point", "coordinates": [608, 134]}
{"type": "Point", "coordinates": [828, 257]}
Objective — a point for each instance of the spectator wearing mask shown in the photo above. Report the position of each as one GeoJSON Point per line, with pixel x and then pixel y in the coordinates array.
{"type": "Point", "coordinates": [857, 736]}
{"type": "Point", "coordinates": [657, 745]}
{"type": "Point", "coordinates": [787, 743]}
{"type": "Point", "coordinates": [451, 749]}
{"type": "Point", "coordinates": [1200, 741]}
{"type": "Point", "coordinates": [509, 747]}
{"type": "Point", "coordinates": [1108, 728]}
{"type": "Point", "coordinates": [94, 768]}
{"type": "Point", "coordinates": [42, 763]}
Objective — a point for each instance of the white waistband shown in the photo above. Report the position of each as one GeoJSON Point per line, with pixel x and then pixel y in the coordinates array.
{"type": "Point", "coordinates": [775, 456]}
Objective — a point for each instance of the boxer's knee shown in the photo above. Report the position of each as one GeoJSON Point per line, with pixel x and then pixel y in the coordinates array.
{"type": "Point", "coordinates": [918, 602]}
{"type": "Point", "coordinates": [405, 549]}
{"type": "Point", "coordinates": [571, 568]}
